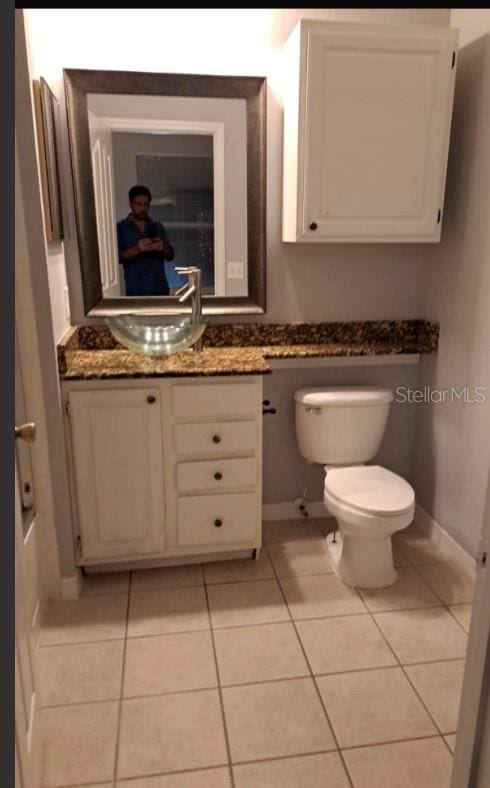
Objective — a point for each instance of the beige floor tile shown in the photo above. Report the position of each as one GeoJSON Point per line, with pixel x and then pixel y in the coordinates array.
{"type": "Point", "coordinates": [80, 673]}
{"type": "Point", "coordinates": [241, 604]}
{"type": "Point", "coordinates": [449, 582]}
{"type": "Point", "coordinates": [79, 743]}
{"type": "Point", "coordinates": [423, 635]}
{"type": "Point", "coordinates": [425, 763]}
{"type": "Point", "coordinates": [163, 611]}
{"type": "Point", "coordinates": [277, 719]}
{"type": "Point", "coordinates": [373, 706]}
{"type": "Point", "coordinates": [105, 583]}
{"type": "Point", "coordinates": [439, 685]}
{"type": "Point", "coordinates": [320, 595]}
{"type": "Point", "coordinates": [462, 613]}
{"type": "Point", "coordinates": [336, 645]}
{"type": "Point", "coordinates": [267, 652]}
{"type": "Point", "coordinates": [169, 733]}
{"type": "Point", "coordinates": [326, 524]}
{"type": "Point", "coordinates": [310, 771]}
{"type": "Point", "coordinates": [167, 577]}
{"type": "Point", "coordinates": [300, 558]}
{"type": "Point", "coordinates": [288, 530]}
{"type": "Point", "coordinates": [169, 663]}
{"type": "Point", "coordinates": [451, 741]}
{"type": "Point", "coordinates": [85, 619]}
{"type": "Point", "coordinates": [204, 778]}
{"type": "Point", "coordinates": [417, 547]}
{"type": "Point", "coordinates": [398, 558]}
{"type": "Point", "coordinates": [239, 569]}
{"type": "Point", "coordinates": [408, 591]}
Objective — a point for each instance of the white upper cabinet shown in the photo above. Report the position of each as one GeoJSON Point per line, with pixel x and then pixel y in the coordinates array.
{"type": "Point", "coordinates": [367, 117]}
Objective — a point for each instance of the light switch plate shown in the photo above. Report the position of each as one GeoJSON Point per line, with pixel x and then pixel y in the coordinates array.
{"type": "Point", "coordinates": [235, 270]}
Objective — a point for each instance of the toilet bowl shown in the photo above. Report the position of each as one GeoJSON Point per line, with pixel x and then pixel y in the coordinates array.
{"type": "Point", "coordinates": [370, 504]}
{"type": "Point", "coordinates": [342, 428]}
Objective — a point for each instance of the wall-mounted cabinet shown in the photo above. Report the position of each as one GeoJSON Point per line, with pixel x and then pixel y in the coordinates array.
{"type": "Point", "coordinates": [367, 117]}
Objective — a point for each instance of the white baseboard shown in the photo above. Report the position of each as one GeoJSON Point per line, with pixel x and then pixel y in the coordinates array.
{"type": "Point", "coordinates": [445, 542]}
{"type": "Point", "coordinates": [71, 587]}
{"type": "Point", "coordinates": [286, 510]}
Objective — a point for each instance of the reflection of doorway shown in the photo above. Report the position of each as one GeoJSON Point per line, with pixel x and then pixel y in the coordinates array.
{"type": "Point", "coordinates": [178, 169]}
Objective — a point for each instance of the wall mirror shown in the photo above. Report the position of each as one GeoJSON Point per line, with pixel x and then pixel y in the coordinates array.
{"type": "Point", "coordinates": [197, 143]}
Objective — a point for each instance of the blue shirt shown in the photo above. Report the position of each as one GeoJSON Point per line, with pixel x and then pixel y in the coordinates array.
{"type": "Point", "coordinates": [145, 273]}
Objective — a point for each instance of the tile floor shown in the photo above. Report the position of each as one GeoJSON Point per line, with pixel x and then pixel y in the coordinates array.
{"type": "Point", "coordinates": [257, 674]}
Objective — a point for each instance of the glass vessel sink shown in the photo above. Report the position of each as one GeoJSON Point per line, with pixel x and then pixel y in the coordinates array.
{"type": "Point", "coordinates": [156, 335]}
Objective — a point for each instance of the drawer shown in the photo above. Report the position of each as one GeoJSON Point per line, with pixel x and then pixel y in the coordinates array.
{"type": "Point", "coordinates": [216, 474]}
{"type": "Point", "coordinates": [232, 399]}
{"type": "Point", "coordinates": [215, 438]}
{"type": "Point", "coordinates": [217, 519]}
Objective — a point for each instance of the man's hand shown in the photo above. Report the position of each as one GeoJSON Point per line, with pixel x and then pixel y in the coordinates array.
{"type": "Point", "coordinates": [145, 245]}
{"type": "Point", "coordinates": [157, 245]}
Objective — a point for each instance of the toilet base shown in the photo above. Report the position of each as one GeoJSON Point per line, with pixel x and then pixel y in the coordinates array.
{"type": "Point", "coordinates": [363, 563]}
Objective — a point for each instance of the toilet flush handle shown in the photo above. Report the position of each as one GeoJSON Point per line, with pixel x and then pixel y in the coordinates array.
{"type": "Point", "coordinates": [316, 411]}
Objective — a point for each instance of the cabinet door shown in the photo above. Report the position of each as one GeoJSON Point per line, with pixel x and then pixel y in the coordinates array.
{"type": "Point", "coordinates": [377, 107]}
{"type": "Point", "coordinates": [117, 449]}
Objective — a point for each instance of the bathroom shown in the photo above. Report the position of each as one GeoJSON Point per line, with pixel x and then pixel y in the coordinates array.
{"type": "Point", "coordinates": [260, 695]}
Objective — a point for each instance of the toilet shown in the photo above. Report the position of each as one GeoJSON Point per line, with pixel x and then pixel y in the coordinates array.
{"type": "Point", "coordinates": [342, 429]}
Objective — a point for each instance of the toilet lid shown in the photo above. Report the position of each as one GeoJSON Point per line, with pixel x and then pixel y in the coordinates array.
{"type": "Point", "coordinates": [370, 488]}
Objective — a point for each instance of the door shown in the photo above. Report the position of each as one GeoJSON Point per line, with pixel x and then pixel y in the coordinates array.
{"type": "Point", "coordinates": [27, 738]}
{"type": "Point", "coordinates": [117, 451]}
{"type": "Point", "coordinates": [102, 173]}
{"type": "Point", "coordinates": [471, 758]}
{"type": "Point", "coordinates": [378, 112]}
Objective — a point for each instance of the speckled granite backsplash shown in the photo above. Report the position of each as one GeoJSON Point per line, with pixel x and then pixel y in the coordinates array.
{"type": "Point", "coordinates": [268, 340]}
{"type": "Point", "coordinates": [417, 336]}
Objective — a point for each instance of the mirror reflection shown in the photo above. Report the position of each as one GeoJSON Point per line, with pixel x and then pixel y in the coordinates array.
{"type": "Point", "coordinates": [166, 181]}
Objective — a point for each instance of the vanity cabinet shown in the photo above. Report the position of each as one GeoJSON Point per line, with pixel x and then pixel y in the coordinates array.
{"type": "Point", "coordinates": [166, 470]}
{"type": "Point", "coordinates": [367, 116]}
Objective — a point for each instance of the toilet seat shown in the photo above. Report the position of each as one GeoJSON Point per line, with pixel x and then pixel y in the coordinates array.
{"type": "Point", "coordinates": [370, 489]}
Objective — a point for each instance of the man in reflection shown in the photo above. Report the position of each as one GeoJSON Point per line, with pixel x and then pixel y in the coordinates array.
{"type": "Point", "coordinates": [143, 248]}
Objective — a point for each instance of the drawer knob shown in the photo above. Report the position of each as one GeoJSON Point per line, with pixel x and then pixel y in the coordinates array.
{"type": "Point", "coordinates": [218, 476]}
{"type": "Point", "coordinates": [216, 439]}
{"type": "Point", "coordinates": [218, 523]}
{"type": "Point", "coordinates": [151, 399]}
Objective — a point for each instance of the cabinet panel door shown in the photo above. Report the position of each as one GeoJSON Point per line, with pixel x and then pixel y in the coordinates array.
{"type": "Point", "coordinates": [117, 450]}
{"type": "Point", "coordinates": [378, 110]}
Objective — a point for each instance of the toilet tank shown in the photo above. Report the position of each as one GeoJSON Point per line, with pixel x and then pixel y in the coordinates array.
{"type": "Point", "coordinates": [337, 426]}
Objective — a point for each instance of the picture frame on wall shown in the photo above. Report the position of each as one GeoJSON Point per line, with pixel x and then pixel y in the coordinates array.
{"type": "Point", "coordinates": [47, 110]}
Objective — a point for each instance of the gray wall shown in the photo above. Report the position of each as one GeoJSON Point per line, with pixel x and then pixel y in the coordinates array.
{"type": "Point", "coordinates": [452, 445]}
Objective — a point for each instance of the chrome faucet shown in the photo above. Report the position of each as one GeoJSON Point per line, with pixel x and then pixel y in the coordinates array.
{"type": "Point", "coordinates": [192, 290]}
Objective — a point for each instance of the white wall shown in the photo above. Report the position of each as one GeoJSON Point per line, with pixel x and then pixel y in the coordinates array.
{"type": "Point", "coordinates": [317, 282]}
{"type": "Point", "coordinates": [452, 444]}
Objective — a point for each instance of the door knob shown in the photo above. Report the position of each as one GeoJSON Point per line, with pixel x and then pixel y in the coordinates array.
{"type": "Point", "coordinates": [27, 432]}
{"type": "Point", "coordinates": [151, 399]}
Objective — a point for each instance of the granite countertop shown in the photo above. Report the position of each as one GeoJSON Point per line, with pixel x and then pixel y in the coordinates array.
{"type": "Point", "coordinates": [91, 352]}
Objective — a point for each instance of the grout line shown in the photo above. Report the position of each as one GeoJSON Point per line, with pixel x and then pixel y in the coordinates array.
{"type": "Point", "coordinates": [329, 723]}
{"type": "Point", "coordinates": [392, 741]}
{"type": "Point", "coordinates": [118, 730]}
{"type": "Point", "coordinates": [220, 692]}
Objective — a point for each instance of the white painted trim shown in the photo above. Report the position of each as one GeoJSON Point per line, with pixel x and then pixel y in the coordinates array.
{"type": "Point", "coordinates": [446, 544]}
{"type": "Point", "coordinates": [71, 587]}
{"type": "Point", "coordinates": [286, 510]}
{"type": "Point", "coordinates": [344, 361]}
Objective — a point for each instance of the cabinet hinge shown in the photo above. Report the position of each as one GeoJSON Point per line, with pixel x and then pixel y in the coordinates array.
{"type": "Point", "coordinates": [439, 216]}
{"type": "Point", "coordinates": [483, 559]}
{"type": "Point", "coordinates": [67, 408]}
{"type": "Point", "coordinates": [78, 542]}
{"type": "Point", "coordinates": [454, 60]}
